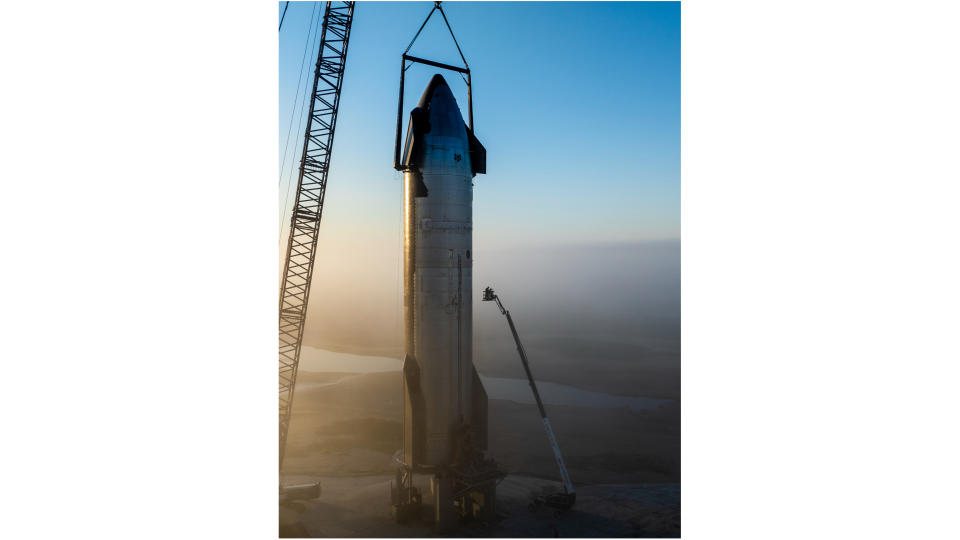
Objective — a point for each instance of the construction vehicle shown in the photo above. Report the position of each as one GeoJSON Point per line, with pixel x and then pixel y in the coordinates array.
{"type": "Point", "coordinates": [560, 502]}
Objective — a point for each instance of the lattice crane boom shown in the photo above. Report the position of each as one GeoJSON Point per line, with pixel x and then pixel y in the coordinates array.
{"type": "Point", "coordinates": [308, 205]}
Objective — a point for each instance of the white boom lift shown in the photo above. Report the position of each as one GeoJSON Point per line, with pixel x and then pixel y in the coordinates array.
{"type": "Point", "coordinates": [561, 501]}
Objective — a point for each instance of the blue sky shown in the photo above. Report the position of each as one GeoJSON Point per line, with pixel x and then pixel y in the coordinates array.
{"type": "Point", "coordinates": [578, 105]}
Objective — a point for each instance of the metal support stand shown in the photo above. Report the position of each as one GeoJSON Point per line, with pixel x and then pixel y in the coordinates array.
{"type": "Point", "coordinates": [463, 491]}
{"type": "Point", "coordinates": [406, 500]}
{"type": "Point", "coordinates": [444, 514]}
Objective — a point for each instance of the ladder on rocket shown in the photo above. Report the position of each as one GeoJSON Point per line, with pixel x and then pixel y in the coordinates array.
{"type": "Point", "coordinates": [561, 501]}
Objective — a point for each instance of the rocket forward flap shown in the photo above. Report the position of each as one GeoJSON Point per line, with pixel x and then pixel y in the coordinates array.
{"type": "Point", "coordinates": [417, 127]}
{"type": "Point", "coordinates": [478, 154]}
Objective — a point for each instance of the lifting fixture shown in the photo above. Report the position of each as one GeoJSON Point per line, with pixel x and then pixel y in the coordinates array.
{"type": "Point", "coordinates": [404, 58]}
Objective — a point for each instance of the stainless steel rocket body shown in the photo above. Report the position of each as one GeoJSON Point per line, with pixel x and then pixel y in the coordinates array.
{"type": "Point", "coordinates": [439, 377]}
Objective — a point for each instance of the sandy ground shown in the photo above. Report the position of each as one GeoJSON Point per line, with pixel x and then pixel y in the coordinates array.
{"type": "Point", "coordinates": [351, 507]}
{"type": "Point", "coordinates": [354, 426]}
{"type": "Point", "coordinates": [625, 464]}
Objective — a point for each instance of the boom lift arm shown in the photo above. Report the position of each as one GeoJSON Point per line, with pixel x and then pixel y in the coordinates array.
{"type": "Point", "coordinates": [561, 501]}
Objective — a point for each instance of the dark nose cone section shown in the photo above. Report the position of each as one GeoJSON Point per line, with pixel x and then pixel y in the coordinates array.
{"type": "Point", "coordinates": [437, 84]}
{"type": "Point", "coordinates": [437, 114]}
{"type": "Point", "coordinates": [444, 114]}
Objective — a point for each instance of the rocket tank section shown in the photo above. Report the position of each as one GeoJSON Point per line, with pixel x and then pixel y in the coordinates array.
{"type": "Point", "coordinates": [445, 405]}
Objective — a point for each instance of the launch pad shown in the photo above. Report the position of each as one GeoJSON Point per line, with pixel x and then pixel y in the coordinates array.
{"type": "Point", "coordinates": [352, 507]}
{"type": "Point", "coordinates": [456, 495]}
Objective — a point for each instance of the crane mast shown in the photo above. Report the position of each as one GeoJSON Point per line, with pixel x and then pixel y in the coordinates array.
{"type": "Point", "coordinates": [308, 205]}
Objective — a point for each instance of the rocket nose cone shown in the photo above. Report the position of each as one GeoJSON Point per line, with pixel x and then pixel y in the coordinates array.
{"type": "Point", "coordinates": [445, 117]}
{"type": "Point", "coordinates": [436, 117]}
{"type": "Point", "coordinates": [437, 79]}
{"type": "Point", "coordinates": [437, 87]}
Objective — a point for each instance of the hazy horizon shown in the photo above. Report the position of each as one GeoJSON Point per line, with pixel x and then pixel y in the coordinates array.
{"type": "Point", "coordinates": [584, 313]}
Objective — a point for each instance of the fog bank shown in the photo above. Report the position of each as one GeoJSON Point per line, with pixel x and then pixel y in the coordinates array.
{"type": "Point", "coordinates": [604, 316]}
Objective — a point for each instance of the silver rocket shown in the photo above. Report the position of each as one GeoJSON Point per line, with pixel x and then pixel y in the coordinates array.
{"type": "Point", "coordinates": [445, 405]}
